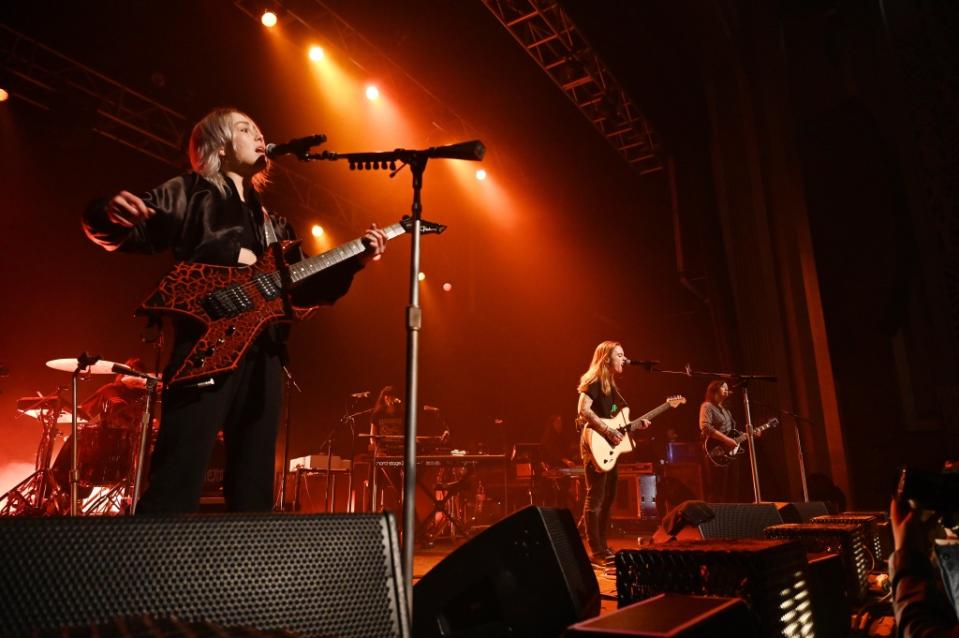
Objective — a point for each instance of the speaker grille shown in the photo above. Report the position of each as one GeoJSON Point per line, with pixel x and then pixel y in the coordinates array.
{"type": "Point", "coordinates": [740, 520]}
{"type": "Point", "coordinates": [769, 575]}
{"type": "Point", "coordinates": [876, 531]}
{"type": "Point", "coordinates": [314, 575]}
{"type": "Point", "coordinates": [846, 540]}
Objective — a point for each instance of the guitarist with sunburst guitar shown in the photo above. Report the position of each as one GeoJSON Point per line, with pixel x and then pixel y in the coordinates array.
{"type": "Point", "coordinates": [229, 295]}
{"type": "Point", "coordinates": [718, 429]}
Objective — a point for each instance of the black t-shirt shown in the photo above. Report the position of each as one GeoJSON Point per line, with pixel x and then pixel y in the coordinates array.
{"type": "Point", "coordinates": [606, 406]}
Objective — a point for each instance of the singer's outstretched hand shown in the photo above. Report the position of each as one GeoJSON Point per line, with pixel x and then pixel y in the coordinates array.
{"type": "Point", "coordinates": [127, 210]}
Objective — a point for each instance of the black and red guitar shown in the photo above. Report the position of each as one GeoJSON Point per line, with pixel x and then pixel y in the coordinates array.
{"type": "Point", "coordinates": [237, 303]}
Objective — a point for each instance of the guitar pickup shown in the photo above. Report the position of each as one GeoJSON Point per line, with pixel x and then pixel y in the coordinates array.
{"type": "Point", "coordinates": [228, 302]}
{"type": "Point", "coordinates": [267, 286]}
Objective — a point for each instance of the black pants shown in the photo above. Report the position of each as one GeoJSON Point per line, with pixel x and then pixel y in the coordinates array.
{"type": "Point", "coordinates": [246, 404]}
{"type": "Point", "coordinates": [724, 482]}
{"type": "Point", "coordinates": [600, 494]}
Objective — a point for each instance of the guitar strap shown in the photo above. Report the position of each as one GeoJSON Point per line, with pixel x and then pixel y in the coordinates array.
{"type": "Point", "coordinates": [269, 233]}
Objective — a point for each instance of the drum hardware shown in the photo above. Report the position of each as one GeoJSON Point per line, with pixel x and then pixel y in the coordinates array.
{"type": "Point", "coordinates": [34, 494]}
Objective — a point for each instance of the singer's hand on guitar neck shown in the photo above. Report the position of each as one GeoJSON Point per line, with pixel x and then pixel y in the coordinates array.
{"type": "Point", "coordinates": [375, 240]}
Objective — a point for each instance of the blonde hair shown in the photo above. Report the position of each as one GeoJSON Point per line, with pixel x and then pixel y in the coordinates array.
{"type": "Point", "coordinates": [600, 369]}
{"type": "Point", "coordinates": [210, 134]}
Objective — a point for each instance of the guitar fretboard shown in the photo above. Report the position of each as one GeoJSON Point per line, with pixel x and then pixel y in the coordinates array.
{"type": "Point", "coordinates": [312, 265]}
{"type": "Point", "coordinates": [655, 412]}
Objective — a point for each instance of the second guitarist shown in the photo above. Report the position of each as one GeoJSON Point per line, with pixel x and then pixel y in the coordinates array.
{"type": "Point", "coordinates": [716, 422]}
{"type": "Point", "coordinates": [599, 398]}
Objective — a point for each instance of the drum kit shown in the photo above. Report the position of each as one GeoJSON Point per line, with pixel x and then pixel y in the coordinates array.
{"type": "Point", "coordinates": [97, 469]}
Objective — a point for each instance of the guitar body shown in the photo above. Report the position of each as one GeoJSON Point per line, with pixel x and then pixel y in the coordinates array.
{"type": "Point", "coordinates": [602, 454]}
{"type": "Point", "coordinates": [720, 456]}
{"type": "Point", "coordinates": [235, 304]}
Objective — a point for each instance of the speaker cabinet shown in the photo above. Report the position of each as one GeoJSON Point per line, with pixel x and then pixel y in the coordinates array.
{"type": "Point", "coordinates": [527, 575]}
{"type": "Point", "coordinates": [740, 520]}
{"type": "Point", "coordinates": [800, 512]}
{"type": "Point", "coordinates": [673, 615]}
{"type": "Point", "coordinates": [769, 575]}
{"type": "Point", "coordinates": [312, 575]}
{"type": "Point", "coordinates": [635, 497]}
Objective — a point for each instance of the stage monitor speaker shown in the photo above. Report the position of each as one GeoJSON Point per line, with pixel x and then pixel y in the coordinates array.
{"type": "Point", "coordinates": [800, 512]}
{"type": "Point", "coordinates": [739, 520]}
{"type": "Point", "coordinates": [876, 529]}
{"type": "Point", "coordinates": [527, 575]}
{"type": "Point", "coordinates": [680, 482]}
{"type": "Point", "coordinates": [332, 575]}
{"type": "Point", "coordinates": [770, 576]}
{"type": "Point", "coordinates": [673, 615]}
{"type": "Point", "coordinates": [846, 540]}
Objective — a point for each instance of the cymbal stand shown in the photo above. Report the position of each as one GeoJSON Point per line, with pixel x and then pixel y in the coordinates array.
{"type": "Point", "coordinates": [145, 422]}
{"type": "Point", "coordinates": [84, 361]}
{"type": "Point", "coordinates": [30, 494]}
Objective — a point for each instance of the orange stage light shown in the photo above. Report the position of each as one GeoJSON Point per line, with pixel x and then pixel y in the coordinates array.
{"type": "Point", "coordinates": [317, 230]}
{"type": "Point", "coordinates": [268, 19]}
{"type": "Point", "coordinates": [316, 53]}
{"type": "Point", "coordinates": [372, 93]}
{"type": "Point", "coordinates": [481, 174]}
{"type": "Point", "coordinates": [4, 96]}
{"type": "Point", "coordinates": [422, 276]}
{"type": "Point", "coordinates": [447, 287]}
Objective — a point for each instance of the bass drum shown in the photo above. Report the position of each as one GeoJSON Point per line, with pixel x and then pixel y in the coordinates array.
{"type": "Point", "coordinates": [104, 456]}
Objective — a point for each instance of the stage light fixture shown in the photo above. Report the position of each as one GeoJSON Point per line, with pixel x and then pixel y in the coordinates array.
{"type": "Point", "coordinates": [481, 174]}
{"type": "Point", "coordinates": [4, 96]}
{"type": "Point", "coordinates": [268, 19]}
{"type": "Point", "coordinates": [317, 230]}
{"type": "Point", "coordinates": [372, 93]}
{"type": "Point", "coordinates": [447, 287]}
{"type": "Point", "coordinates": [422, 276]}
{"type": "Point", "coordinates": [316, 53]}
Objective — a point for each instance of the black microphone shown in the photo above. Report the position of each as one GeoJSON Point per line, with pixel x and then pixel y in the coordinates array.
{"type": "Point", "coordinates": [642, 362]}
{"type": "Point", "coordinates": [361, 395]}
{"type": "Point", "coordinates": [297, 146]}
{"type": "Point", "coordinates": [473, 150]}
{"type": "Point", "coordinates": [120, 368]}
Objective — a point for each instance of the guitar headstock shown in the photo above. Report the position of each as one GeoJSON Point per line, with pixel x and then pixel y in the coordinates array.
{"type": "Point", "coordinates": [426, 227]}
{"type": "Point", "coordinates": [676, 400]}
{"type": "Point", "coordinates": [771, 423]}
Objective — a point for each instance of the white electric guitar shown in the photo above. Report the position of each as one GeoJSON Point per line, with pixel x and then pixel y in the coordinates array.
{"type": "Point", "coordinates": [603, 454]}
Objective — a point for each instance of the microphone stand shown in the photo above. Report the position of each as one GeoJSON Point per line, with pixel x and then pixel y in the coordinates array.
{"type": "Point", "coordinates": [802, 460]}
{"type": "Point", "coordinates": [743, 381]}
{"type": "Point", "coordinates": [416, 160]}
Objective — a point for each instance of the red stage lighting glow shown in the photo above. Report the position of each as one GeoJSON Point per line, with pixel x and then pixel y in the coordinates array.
{"type": "Point", "coordinates": [372, 93]}
{"type": "Point", "coordinates": [268, 19]}
{"type": "Point", "coordinates": [481, 174]}
{"type": "Point", "coordinates": [422, 276]}
{"type": "Point", "coordinates": [317, 230]}
{"type": "Point", "coordinates": [447, 287]}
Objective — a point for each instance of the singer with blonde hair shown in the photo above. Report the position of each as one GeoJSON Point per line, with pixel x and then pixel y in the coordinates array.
{"type": "Point", "coordinates": [213, 215]}
{"type": "Point", "coordinates": [599, 398]}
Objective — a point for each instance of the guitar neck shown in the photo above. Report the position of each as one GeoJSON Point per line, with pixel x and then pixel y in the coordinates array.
{"type": "Point", "coordinates": [655, 412]}
{"type": "Point", "coordinates": [312, 265]}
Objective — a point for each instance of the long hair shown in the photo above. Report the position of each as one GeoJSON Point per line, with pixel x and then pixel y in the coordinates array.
{"type": "Point", "coordinates": [712, 392]}
{"type": "Point", "coordinates": [212, 132]}
{"type": "Point", "coordinates": [600, 368]}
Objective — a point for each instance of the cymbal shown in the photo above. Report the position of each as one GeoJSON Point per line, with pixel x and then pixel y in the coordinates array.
{"type": "Point", "coordinates": [65, 417]}
{"type": "Point", "coordinates": [70, 365]}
